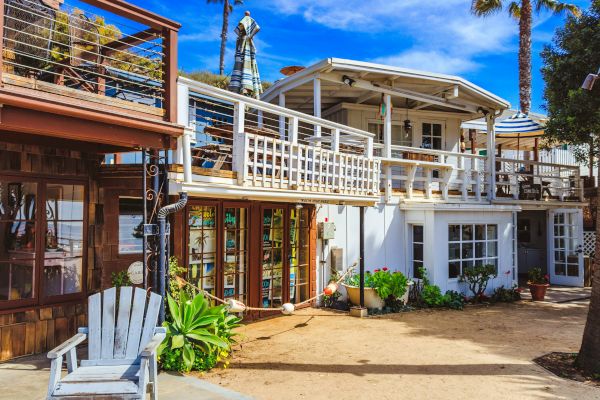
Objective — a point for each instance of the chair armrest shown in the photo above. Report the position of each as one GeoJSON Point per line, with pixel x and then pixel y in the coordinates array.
{"type": "Point", "coordinates": [151, 347]}
{"type": "Point", "coordinates": [67, 346]}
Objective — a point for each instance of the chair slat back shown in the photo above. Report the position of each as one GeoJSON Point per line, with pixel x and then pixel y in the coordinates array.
{"type": "Point", "coordinates": [122, 333]}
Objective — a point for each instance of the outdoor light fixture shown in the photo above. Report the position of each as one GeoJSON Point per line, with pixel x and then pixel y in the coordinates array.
{"type": "Point", "coordinates": [299, 206]}
{"type": "Point", "coordinates": [348, 81]}
{"type": "Point", "coordinates": [588, 84]}
{"type": "Point", "coordinates": [407, 123]}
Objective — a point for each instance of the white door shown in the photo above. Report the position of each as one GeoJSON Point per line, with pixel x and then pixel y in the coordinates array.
{"type": "Point", "coordinates": [565, 247]}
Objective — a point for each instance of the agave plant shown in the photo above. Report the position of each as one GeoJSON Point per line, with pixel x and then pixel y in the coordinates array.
{"type": "Point", "coordinates": [194, 323]}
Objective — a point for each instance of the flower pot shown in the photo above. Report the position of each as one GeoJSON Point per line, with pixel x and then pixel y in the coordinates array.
{"type": "Point", "coordinates": [404, 298]}
{"type": "Point", "coordinates": [372, 300]}
{"type": "Point", "coordinates": [538, 291]}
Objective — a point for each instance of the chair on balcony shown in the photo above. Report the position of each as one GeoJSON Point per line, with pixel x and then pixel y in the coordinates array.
{"type": "Point", "coordinates": [28, 31]}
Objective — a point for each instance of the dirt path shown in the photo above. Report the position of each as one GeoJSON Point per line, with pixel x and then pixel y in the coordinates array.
{"type": "Point", "coordinates": [479, 353]}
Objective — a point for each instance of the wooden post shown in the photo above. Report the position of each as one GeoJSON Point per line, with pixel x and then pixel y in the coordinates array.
{"type": "Point", "coordinates": [281, 117]}
{"type": "Point", "coordinates": [387, 143]}
{"type": "Point", "coordinates": [1, 41]}
{"type": "Point", "coordinates": [473, 139]}
{"type": "Point", "coordinates": [491, 155]}
{"type": "Point", "coordinates": [239, 150]}
{"type": "Point", "coordinates": [536, 149]}
{"type": "Point", "coordinates": [170, 74]}
{"type": "Point", "coordinates": [317, 105]}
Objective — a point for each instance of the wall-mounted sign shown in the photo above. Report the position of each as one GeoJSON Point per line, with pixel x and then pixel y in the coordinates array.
{"type": "Point", "coordinates": [136, 272]}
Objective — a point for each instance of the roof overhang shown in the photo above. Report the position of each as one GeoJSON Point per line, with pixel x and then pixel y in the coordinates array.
{"type": "Point", "coordinates": [412, 88]}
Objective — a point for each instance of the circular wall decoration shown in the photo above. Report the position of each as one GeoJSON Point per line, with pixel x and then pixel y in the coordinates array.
{"type": "Point", "coordinates": [136, 272]}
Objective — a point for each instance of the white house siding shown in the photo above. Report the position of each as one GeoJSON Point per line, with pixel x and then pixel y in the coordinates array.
{"type": "Point", "coordinates": [388, 240]}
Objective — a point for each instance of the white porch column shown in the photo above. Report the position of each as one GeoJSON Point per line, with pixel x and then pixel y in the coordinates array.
{"type": "Point", "coordinates": [491, 155]}
{"type": "Point", "coordinates": [187, 154]}
{"type": "Point", "coordinates": [387, 143]}
{"type": "Point", "coordinates": [183, 118]}
{"type": "Point", "coordinates": [239, 140]}
{"type": "Point", "coordinates": [281, 117]}
{"type": "Point", "coordinates": [317, 105]}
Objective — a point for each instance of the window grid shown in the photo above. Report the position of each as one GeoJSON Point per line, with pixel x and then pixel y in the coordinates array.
{"type": "Point", "coordinates": [202, 247]}
{"type": "Point", "coordinates": [235, 254]}
{"type": "Point", "coordinates": [272, 262]}
{"type": "Point", "coordinates": [417, 251]}
{"type": "Point", "coordinates": [566, 259]}
{"type": "Point", "coordinates": [470, 245]}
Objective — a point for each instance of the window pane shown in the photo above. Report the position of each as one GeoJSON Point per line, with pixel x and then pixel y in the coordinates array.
{"type": "Point", "coordinates": [64, 202]}
{"type": "Point", "coordinates": [480, 250]}
{"type": "Point", "coordinates": [573, 269]}
{"type": "Point", "coordinates": [437, 143]}
{"type": "Point", "coordinates": [417, 233]}
{"type": "Point", "coordinates": [16, 280]}
{"type": "Point", "coordinates": [62, 276]}
{"type": "Point", "coordinates": [454, 269]}
{"type": "Point", "coordinates": [467, 250]}
{"type": "Point", "coordinates": [492, 232]}
{"type": "Point", "coordinates": [17, 200]}
{"type": "Point", "coordinates": [64, 239]}
{"type": "Point", "coordinates": [454, 233]}
{"type": "Point", "coordinates": [131, 225]}
{"type": "Point", "coordinates": [559, 269]}
{"type": "Point", "coordinates": [235, 253]}
{"type": "Point", "coordinates": [18, 236]}
{"type": "Point", "coordinates": [437, 130]}
{"type": "Point", "coordinates": [492, 249]}
{"type": "Point", "coordinates": [480, 232]}
{"type": "Point", "coordinates": [454, 251]}
{"type": "Point", "coordinates": [467, 232]}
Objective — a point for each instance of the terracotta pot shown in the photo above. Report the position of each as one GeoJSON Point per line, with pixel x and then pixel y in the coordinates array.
{"type": "Point", "coordinates": [538, 291]}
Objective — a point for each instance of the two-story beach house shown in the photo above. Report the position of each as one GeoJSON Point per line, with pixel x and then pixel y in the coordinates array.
{"type": "Point", "coordinates": [79, 81]}
{"type": "Point", "coordinates": [277, 186]}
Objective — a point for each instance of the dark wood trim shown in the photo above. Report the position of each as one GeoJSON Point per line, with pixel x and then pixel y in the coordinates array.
{"type": "Point", "coordinates": [47, 124]}
{"type": "Point", "coordinates": [128, 10]}
{"type": "Point", "coordinates": [170, 75]}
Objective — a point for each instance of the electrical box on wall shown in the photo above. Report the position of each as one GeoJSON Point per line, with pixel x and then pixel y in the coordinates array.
{"type": "Point", "coordinates": [326, 230]}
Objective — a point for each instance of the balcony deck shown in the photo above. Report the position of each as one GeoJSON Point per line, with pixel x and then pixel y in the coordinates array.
{"type": "Point", "coordinates": [99, 60]}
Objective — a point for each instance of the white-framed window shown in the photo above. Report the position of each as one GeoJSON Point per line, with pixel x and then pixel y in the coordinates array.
{"type": "Point", "coordinates": [470, 245]}
{"type": "Point", "coordinates": [432, 135]}
{"type": "Point", "coordinates": [417, 250]}
{"type": "Point", "coordinates": [400, 136]}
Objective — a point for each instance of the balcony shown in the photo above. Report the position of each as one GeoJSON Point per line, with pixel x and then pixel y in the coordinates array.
{"type": "Point", "coordinates": [241, 147]}
{"type": "Point", "coordinates": [102, 60]}
{"type": "Point", "coordinates": [430, 175]}
{"type": "Point", "coordinates": [532, 181]}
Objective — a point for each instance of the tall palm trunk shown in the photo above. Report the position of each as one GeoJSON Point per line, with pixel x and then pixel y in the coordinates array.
{"type": "Point", "coordinates": [525, 21]}
{"type": "Point", "coordinates": [224, 29]}
{"type": "Point", "coordinates": [588, 358]}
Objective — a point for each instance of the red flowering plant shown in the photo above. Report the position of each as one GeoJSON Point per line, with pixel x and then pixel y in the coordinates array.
{"type": "Point", "coordinates": [536, 277]}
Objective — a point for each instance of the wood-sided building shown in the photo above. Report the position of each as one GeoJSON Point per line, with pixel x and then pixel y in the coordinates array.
{"type": "Point", "coordinates": [79, 81]}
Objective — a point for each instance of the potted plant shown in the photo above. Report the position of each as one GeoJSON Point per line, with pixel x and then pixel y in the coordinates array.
{"type": "Point", "coordinates": [380, 285]}
{"type": "Point", "coordinates": [538, 284]}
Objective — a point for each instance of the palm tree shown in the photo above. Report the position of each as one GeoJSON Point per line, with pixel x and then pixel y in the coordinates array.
{"type": "Point", "coordinates": [522, 10]}
{"type": "Point", "coordinates": [227, 9]}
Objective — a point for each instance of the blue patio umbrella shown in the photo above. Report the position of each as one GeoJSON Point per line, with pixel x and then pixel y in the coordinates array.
{"type": "Point", "coordinates": [245, 78]}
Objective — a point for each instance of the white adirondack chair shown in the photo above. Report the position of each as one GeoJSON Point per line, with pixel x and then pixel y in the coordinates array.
{"type": "Point", "coordinates": [121, 358]}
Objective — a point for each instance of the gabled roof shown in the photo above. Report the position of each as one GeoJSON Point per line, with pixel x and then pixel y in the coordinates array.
{"type": "Point", "coordinates": [424, 90]}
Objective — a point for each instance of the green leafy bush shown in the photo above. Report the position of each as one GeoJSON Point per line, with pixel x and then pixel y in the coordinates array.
{"type": "Point", "coordinates": [119, 279]}
{"type": "Point", "coordinates": [387, 284]}
{"type": "Point", "coordinates": [536, 277]}
{"type": "Point", "coordinates": [432, 296]}
{"type": "Point", "coordinates": [477, 278]}
{"type": "Point", "coordinates": [504, 295]}
{"type": "Point", "coordinates": [195, 328]}
{"type": "Point", "coordinates": [454, 300]}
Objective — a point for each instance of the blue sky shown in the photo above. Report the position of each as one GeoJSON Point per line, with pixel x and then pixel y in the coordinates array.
{"type": "Point", "coordinates": [433, 35]}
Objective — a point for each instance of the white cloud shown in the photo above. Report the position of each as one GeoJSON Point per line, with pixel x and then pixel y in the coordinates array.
{"type": "Point", "coordinates": [443, 36]}
{"type": "Point", "coordinates": [429, 61]}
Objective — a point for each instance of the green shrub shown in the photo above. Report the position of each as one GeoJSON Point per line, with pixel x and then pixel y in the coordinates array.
{"type": "Point", "coordinates": [387, 284]}
{"type": "Point", "coordinates": [119, 279]}
{"type": "Point", "coordinates": [477, 278]}
{"type": "Point", "coordinates": [196, 329]}
{"type": "Point", "coordinates": [432, 296]}
{"type": "Point", "coordinates": [503, 295]}
{"type": "Point", "coordinates": [454, 300]}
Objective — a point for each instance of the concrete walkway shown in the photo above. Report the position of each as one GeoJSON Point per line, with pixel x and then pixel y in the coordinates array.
{"type": "Point", "coordinates": [27, 379]}
{"type": "Point", "coordinates": [561, 294]}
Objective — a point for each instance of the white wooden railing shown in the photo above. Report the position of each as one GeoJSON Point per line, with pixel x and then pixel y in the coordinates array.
{"type": "Point", "coordinates": [279, 164]}
{"type": "Point", "coordinates": [532, 180]}
{"type": "Point", "coordinates": [268, 146]}
{"type": "Point", "coordinates": [434, 174]}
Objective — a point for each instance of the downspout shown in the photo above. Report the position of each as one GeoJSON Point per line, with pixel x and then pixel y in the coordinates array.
{"type": "Point", "coordinates": [362, 256]}
{"type": "Point", "coordinates": [162, 243]}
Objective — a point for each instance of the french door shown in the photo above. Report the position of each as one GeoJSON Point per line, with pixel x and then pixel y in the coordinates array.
{"type": "Point", "coordinates": [565, 255]}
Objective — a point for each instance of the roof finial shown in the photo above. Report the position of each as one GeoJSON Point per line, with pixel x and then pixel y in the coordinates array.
{"type": "Point", "coordinates": [247, 13]}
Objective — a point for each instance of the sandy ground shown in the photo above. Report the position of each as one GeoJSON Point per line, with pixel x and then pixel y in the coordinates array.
{"type": "Point", "coordinates": [479, 353]}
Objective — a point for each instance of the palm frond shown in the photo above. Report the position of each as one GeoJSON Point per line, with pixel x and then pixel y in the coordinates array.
{"type": "Point", "coordinates": [557, 7]}
{"type": "Point", "coordinates": [514, 10]}
{"type": "Point", "coordinates": [483, 8]}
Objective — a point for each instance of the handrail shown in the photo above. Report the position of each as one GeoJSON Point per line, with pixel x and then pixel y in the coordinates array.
{"type": "Point", "coordinates": [539, 163]}
{"type": "Point", "coordinates": [225, 95]}
{"type": "Point", "coordinates": [430, 151]}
